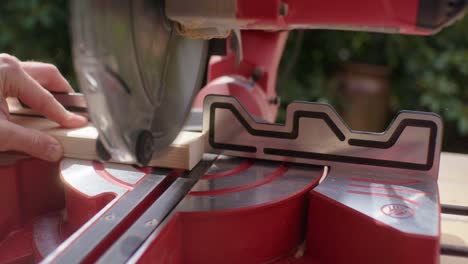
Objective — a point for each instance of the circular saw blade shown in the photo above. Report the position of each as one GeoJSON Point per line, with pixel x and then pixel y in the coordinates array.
{"type": "Point", "coordinates": [136, 72]}
{"type": "Point", "coordinates": [180, 70]}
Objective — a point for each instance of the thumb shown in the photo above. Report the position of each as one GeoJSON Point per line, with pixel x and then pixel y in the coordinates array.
{"type": "Point", "coordinates": [35, 143]}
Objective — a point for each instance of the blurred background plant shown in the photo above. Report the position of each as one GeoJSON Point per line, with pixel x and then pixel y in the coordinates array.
{"type": "Point", "coordinates": [425, 73]}
{"type": "Point", "coordinates": [37, 30]}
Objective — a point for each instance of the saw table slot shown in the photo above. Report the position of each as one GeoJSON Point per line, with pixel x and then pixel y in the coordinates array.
{"type": "Point", "coordinates": [126, 245]}
{"type": "Point", "coordinates": [93, 240]}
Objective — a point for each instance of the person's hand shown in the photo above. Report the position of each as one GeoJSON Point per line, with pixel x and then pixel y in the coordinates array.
{"type": "Point", "coordinates": [31, 82]}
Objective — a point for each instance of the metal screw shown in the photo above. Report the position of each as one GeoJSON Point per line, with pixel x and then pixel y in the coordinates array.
{"type": "Point", "coordinates": [102, 152]}
{"type": "Point", "coordinates": [275, 101]}
{"type": "Point", "coordinates": [144, 147]}
{"type": "Point", "coordinates": [283, 9]}
{"type": "Point", "coordinates": [257, 74]}
{"type": "Point", "coordinates": [151, 223]}
{"type": "Point", "coordinates": [109, 217]}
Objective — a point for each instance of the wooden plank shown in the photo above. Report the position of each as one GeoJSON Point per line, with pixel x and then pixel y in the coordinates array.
{"type": "Point", "coordinates": [453, 179]}
{"type": "Point", "coordinates": [453, 183]}
{"type": "Point", "coordinates": [452, 260]}
{"type": "Point", "coordinates": [454, 230]}
{"type": "Point", "coordinates": [184, 153]}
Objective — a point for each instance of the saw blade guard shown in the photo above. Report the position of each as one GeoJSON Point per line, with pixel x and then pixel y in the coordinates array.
{"type": "Point", "coordinates": [138, 75]}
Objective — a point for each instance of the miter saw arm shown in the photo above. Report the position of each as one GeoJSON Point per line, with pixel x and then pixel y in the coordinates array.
{"type": "Point", "coordinates": [420, 17]}
{"type": "Point", "coordinates": [140, 63]}
{"type": "Point", "coordinates": [253, 80]}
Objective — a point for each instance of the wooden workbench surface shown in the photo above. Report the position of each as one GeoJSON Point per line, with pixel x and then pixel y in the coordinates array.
{"type": "Point", "coordinates": [453, 190]}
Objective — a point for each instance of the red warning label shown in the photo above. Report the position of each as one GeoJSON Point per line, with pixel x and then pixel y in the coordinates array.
{"type": "Point", "coordinates": [397, 210]}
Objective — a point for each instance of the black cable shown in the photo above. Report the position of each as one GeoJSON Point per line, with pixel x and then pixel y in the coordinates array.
{"type": "Point", "coordinates": [454, 209]}
{"type": "Point", "coordinates": [457, 251]}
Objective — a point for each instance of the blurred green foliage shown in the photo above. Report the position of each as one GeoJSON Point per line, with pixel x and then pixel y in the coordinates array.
{"type": "Point", "coordinates": [37, 30]}
{"type": "Point", "coordinates": [428, 73]}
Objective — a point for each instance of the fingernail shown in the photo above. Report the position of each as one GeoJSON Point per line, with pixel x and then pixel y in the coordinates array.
{"type": "Point", "coordinates": [54, 152]}
{"type": "Point", "coordinates": [74, 120]}
{"type": "Point", "coordinates": [80, 118]}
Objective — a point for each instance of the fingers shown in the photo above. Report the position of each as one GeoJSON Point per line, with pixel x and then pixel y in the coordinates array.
{"type": "Point", "coordinates": [47, 75]}
{"type": "Point", "coordinates": [19, 84]}
{"type": "Point", "coordinates": [31, 93]}
{"type": "Point", "coordinates": [32, 142]}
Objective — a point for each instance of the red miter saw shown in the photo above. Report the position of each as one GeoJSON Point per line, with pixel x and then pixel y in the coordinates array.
{"type": "Point", "coordinates": [308, 191]}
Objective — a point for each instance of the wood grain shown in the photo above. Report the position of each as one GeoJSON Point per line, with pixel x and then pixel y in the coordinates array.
{"type": "Point", "coordinates": [184, 153]}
